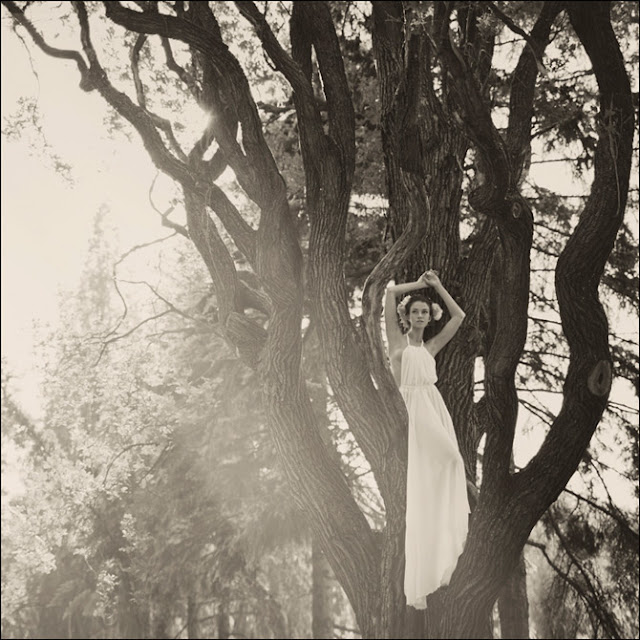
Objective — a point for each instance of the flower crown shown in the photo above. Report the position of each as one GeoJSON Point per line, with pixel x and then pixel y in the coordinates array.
{"type": "Point", "coordinates": [436, 312]}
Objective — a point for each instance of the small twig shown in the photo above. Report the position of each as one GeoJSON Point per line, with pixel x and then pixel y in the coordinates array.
{"type": "Point", "coordinates": [546, 416]}
{"type": "Point", "coordinates": [115, 277]}
{"type": "Point", "coordinates": [128, 333]}
{"type": "Point", "coordinates": [127, 448]}
{"type": "Point", "coordinates": [171, 306]}
{"type": "Point", "coordinates": [183, 231]}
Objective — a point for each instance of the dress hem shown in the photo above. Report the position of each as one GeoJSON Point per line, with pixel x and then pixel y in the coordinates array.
{"type": "Point", "coordinates": [421, 606]}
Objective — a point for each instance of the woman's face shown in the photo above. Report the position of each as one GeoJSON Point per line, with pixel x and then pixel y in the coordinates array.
{"type": "Point", "coordinates": [419, 314]}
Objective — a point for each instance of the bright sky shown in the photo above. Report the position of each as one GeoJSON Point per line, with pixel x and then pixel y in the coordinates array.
{"type": "Point", "coordinates": [46, 221]}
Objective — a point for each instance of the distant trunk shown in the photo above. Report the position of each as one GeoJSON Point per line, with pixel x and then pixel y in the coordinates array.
{"type": "Point", "coordinates": [321, 594]}
{"type": "Point", "coordinates": [192, 617]}
{"type": "Point", "coordinates": [160, 621]}
{"type": "Point", "coordinates": [513, 604]}
{"type": "Point", "coordinates": [222, 620]}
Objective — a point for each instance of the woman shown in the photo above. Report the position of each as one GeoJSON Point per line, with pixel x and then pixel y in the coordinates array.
{"type": "Point", "coordinates": [437, 505]}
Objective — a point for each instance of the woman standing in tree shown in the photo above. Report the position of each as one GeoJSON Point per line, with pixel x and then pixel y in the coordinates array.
{"type": "Point", "coordinates": [437, 504]}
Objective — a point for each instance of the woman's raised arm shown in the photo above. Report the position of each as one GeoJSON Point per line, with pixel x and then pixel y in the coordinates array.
{"type": "Point", "coordinates": [394, 335]}
{"type": "Point", "coordinates": [457, 314]}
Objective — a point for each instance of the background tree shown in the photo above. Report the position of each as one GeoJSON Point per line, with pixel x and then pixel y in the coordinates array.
{"type": "Point", "coordinates": [441, 57]}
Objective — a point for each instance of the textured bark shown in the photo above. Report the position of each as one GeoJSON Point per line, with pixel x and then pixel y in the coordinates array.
{"type": "Point", "coordinates": [418, 137]}
{"type": "Point", "coordinates": [580, 268]}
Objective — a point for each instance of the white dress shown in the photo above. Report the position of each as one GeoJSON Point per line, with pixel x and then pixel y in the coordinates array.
{"type": "Point", "coordinates": [437, 504]}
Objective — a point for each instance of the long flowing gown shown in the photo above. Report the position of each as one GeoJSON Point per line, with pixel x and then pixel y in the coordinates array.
{"type": "Point", "coordinates": [437, 504]}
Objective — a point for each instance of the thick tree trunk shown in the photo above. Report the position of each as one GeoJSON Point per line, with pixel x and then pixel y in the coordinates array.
{"type": "Point", "coordinates": [418, 139]}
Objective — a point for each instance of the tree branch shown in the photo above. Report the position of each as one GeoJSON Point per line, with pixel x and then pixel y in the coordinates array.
{"type": "Point", "coordinates": [292, 69]}
{"type": "Point", "coordinates": [518, 135]}
{"type": "Point", "coordinates": [106, 343]}
{"type": "Point", "coordinates": [613, 513]}
{"type": "Point", "coordinates": [240, 231]}
{"type": "Point", "coordinates": [115, 278]}
{"type": "Point", "coordinates": [54, 52]}
{"type": "Point", "coordinates": [187, 78]}
{"type": "Point", "coordinates": [334, 81]}
{"type": "Point", "coordinates": [134, 56]}
{"type": "Point", "coordinates": [529, 39]}
{"type": "Point", "coordinates": [282, 60]}
{"type": "Point", "coordinates": [377, 280]}
{"type": "Point", "coordinates": [581, 265]}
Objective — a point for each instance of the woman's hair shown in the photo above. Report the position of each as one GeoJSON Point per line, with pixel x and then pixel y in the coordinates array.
{"type": "Point", "coordinates": [404, 308]}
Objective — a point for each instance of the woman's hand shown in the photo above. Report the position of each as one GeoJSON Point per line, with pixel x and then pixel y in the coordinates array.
{"type": "Point", "coordinates": [430, 279]}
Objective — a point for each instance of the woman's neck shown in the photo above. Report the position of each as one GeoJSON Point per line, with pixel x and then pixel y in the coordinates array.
{"type": "Point", "coordinates": [415, 336]}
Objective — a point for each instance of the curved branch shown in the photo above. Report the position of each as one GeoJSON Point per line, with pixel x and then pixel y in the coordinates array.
{"type": "Point", "coordinates": [581, 265]}
{"type": "Point", "coordinates": [293, 71]}
{"type": "Point", "coordinates": [67, 54]}
{"type": "Point", "coordinates": [123, 451]}
{"type": "Point", "coordinates": [187, 78]}
{"type": "Point", "coordinates": [228, 95]}
{"type": "Point", "coordinates": [134, 56]}
{"type": "Point", "coordinates": [161, 123]}
{"type": "Point", "coordinates": [518, 136]}
{"type": "Point", "coordinates": [372, 293]}
{"type": "Point", "coordinates": [136, 115]}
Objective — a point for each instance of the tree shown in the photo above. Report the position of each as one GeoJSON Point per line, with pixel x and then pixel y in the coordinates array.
{"type": "Point", "coordinates": [434, 67]}
{"type": "Point", "coordinates": [159, 497]}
